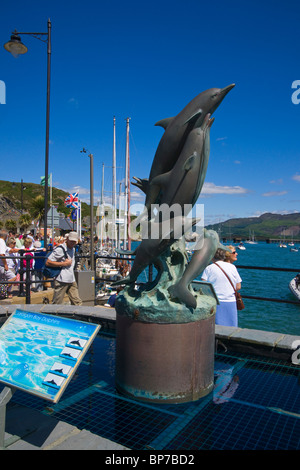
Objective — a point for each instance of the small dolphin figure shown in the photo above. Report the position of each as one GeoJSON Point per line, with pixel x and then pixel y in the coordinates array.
{"type": "Point", "coordinates": [76, 343]}
{"type": "Point", "coordinates": [52, 382]}
{"type": "Point", "coordinates": [200, 259]}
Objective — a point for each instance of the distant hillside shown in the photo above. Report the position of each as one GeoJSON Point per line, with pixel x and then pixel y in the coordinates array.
{"type": "Point", "coordinates": [266, 226]}
{"type": "Point", "coordinates": [10, 197]}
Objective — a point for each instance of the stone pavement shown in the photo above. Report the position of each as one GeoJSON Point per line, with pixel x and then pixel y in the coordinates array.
{"type": "Point", "coordinates": [28, 429]}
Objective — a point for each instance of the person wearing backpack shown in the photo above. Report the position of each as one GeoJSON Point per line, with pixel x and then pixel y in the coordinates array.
{"type": "Point", "coordinates": [63, 256]}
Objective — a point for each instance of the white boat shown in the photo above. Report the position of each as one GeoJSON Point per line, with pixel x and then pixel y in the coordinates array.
{"type": "Point", "coordinates": [251, 240]}
{"type": "Point", "coordinates": [294, 249]}
{"type": "Point", "coordinates": [104, 294]}
{"type": "Point", "coordinates": [241, 246]}
{"type": "Point", "coordinates": [294, 286]}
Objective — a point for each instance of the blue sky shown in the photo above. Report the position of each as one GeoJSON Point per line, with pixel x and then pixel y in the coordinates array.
{"type": "Point", "coordinates": [146, 61]}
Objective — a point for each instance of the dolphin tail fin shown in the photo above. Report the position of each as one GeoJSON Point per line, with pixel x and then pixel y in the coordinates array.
{"type": "Point", "coordinates": [124, 280]}
{"type": "Point", "coordinates": [141, 183]}
{"type": "Point", "coordinates": [181, 292]}
{"type": "Point", "coordinates": [223, 247]}
{"type": "Point", "coordinates": [126, 252]}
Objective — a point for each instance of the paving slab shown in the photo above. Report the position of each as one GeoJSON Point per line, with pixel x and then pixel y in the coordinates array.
{"type": "Point", "coordinates": [28, 429]}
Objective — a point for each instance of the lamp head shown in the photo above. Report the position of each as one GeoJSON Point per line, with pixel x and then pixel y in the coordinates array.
{"type": "Point", "coordinates": [15, 46]}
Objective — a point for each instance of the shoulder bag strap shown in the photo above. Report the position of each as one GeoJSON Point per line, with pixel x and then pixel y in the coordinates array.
{"type": "Point", "coordinates": [227, 277]}
{"type": "Point", "coordinates": [60, 246]}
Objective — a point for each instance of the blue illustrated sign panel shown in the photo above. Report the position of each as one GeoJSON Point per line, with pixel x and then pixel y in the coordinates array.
{"type": "Point", "coordinates": [39, 353]}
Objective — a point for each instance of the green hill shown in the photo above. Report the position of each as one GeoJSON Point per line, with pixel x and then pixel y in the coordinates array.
{"type": "Point", "coordinates": [267, 226]}
{"type": "Point", "coordinates": [11, 197]}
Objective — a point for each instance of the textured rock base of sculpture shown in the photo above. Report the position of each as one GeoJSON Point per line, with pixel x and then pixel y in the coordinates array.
{"type": "Point", "coordinates": [164, 350]}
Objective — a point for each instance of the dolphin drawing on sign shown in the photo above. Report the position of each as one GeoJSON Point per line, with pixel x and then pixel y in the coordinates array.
{"type": "Point", "coordinates": [183, 183]}
{"type": "Point", "coordinates": [151, 248]}
{"type": "Point", "coordinates": [200, 259]}
{"type": "Point", "coordinates": [176, 131]}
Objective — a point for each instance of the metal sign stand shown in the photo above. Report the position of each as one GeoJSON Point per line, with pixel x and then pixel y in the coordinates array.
{"type": "Point", "coordinates": [5, 397]}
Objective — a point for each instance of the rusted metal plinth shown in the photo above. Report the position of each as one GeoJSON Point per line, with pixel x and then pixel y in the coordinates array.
{"type": "Point", "coordinates": [166, 363]}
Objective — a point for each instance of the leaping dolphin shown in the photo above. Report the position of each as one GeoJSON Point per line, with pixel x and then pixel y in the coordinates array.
{"type": "Point", "coordinates": [200, 259]}
{"type": "Point", "coordinates": [176, 131]}
{"type": "Point", "coordinates": [183, 183]}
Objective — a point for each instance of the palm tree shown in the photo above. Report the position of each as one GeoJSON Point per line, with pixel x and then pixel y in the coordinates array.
{"type": "Point", "coordinates": [25, 221]}
{"type": "Point", "coordinates": [11, 225]}
{"type": "Point", "coordinates": [37, 209]}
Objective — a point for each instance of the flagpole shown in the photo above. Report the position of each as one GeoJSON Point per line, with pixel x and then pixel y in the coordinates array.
{"type": "Point", "coordinates": [114, 191]}
{"type": "Point", "coordinates": [102, 207]}
{"type": "Point", "coordinates": [79, 208]}
{"type": "Point", "coordinates": [51, 205]}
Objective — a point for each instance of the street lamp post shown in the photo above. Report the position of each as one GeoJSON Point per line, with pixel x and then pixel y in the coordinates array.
{"type": "Point", "coordinates": [22, 189]}
{"type": "Point", "coordinates": [16, 47]}
{"type": "Point", "coordinates": [91, 157]}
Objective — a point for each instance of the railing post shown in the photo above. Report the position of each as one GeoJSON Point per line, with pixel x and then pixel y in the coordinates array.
{"type": "Point", "coordinates": [28, 280]}
{"type": "Point", "coordinates": [21, 271]}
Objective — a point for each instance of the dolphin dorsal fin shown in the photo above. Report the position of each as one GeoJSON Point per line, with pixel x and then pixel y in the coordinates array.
{"type": "Point", "coordinates": [164, 122]}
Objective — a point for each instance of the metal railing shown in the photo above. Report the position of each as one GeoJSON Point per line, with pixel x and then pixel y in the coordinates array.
{"type": "Point", "coordinates": [28, 281]}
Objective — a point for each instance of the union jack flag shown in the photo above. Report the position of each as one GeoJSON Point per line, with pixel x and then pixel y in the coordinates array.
{"type": "Point", "coordinates": [72, 201]}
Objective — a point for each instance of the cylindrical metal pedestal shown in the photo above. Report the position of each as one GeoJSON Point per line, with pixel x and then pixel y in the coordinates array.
{"type": "Point", "coordinates": [167, 363]}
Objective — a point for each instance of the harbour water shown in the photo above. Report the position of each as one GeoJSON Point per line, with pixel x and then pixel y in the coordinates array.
{"type": "Point", "coordinates": [265, 315]}
{"type": "Point", "coordinates": [261, 314]}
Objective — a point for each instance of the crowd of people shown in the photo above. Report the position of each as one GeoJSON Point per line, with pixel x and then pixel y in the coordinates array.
{"type": "Point", "coordinates": [25, 254]}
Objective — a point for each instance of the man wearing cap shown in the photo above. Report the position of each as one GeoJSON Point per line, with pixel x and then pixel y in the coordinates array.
{"type": "Point", "coordinates": [65, 282]}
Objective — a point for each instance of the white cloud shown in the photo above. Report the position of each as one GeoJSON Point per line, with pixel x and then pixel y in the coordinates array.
{"type": "Point", "coordinates": [74, 102]}
{"type": "Point", "coordinates": [274, 193]}
{"type": "Point", "coordinates": [211, 188]}
{"type": "Point", "coordinates": [279, 181]}
{"type": "Point", "coordinates": [137, 196]}
{"type": "Point", "coordinates": [296, 177]}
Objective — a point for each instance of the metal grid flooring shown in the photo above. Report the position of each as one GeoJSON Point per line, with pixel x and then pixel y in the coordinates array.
{"type": "Point", "coordinates": [255, 405]}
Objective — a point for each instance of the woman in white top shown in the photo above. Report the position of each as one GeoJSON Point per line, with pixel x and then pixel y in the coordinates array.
{"type": "Point", "coordinates": [12, 264]}
{"type": "Point", "coordinates": [226, 313]}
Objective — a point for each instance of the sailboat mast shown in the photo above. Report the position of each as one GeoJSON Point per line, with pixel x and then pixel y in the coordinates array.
{"type": "Point", "coordinates": [114, 201]}
{"type": "Point", "coordinates": [102, 213]}
{"type": "Point", "coordinates": [128, 185]}
{"type": "Point", "coordinates": [127, 191]}
{"type": "Point", "coordinates": [120, 205]}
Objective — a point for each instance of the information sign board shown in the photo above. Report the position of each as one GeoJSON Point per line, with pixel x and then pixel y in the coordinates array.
{"type": "Point", "coordinates": [39, 353]}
